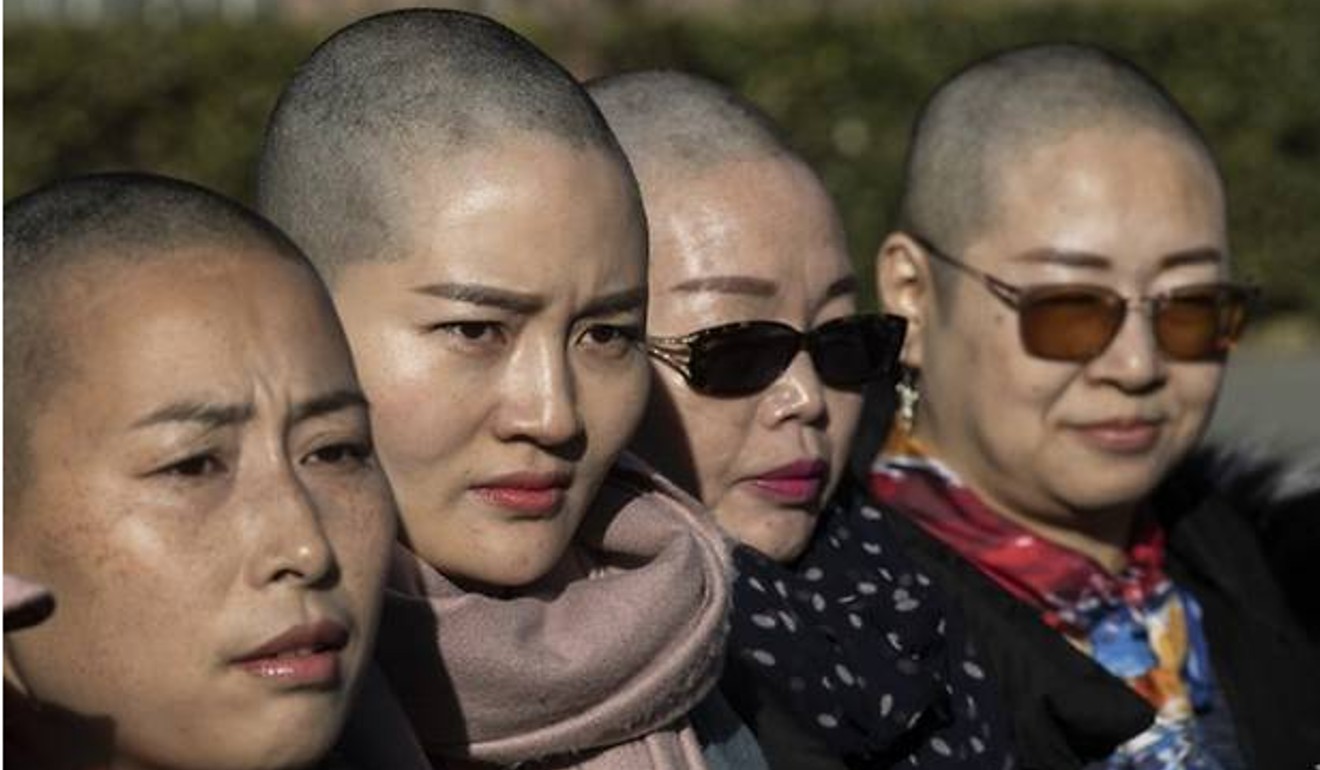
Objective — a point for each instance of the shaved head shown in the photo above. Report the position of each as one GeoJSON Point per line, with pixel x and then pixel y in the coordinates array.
{"type": "Point", "coordinates": [999, 109]}
{"type": "Point", "coordinates": [741, 229]}
{"type": "Point", "coordinates": [75, 230]}
{"type": "Point", "coordinates": [683, 123]}
{"type": "Point", "coordinates": [381, 95]}
{"type": "Point", "coordinates": [676, 128]}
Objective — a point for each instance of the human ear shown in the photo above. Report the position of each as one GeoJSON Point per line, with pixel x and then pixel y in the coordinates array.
{"type": "Point", "coordinates": [903, 281]}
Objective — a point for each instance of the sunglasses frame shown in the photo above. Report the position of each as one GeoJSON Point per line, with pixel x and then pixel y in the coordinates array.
{"type": "Point", "coordinates": [677, 352]}
{"type": "Point", "coordinates": [1015, 297]}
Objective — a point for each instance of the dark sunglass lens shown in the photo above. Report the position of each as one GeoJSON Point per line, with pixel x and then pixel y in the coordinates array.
{"type": "Point", "coordinates": [743, 360]}
{"type": "Point", "coordinates": [1200, 322]}
{"type": "Point", "coordinates": [1069, 323]}
{"type": "Point", "coordinates": [852, 351]}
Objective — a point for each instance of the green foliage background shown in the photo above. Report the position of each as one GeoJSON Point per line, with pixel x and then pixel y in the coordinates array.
{"type": "Point", "coordinates": [845, 83]}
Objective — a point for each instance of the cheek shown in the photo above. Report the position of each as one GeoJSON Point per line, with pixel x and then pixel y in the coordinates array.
{"type": "Point", "coordinates": [420, 409]}
{"type": "Point", "coordinates": [991, 397]}
{"type": "Point", "coordinates": [132, 600]}
{"type": "Point", "coordinates": [692, 439]}
{"type": "Point", "coordinates": [360, 520]}
{"type": "Point", "coordinates": [612, 404]}
{"type": "Point", "coordinates": [1195, 388]}
{"type": "Point", "coordinates": [1013, 408]}
{"type": "Point", "coordinates": [719, 433]}
{"type": "Point", "coordinates": [844, 410]}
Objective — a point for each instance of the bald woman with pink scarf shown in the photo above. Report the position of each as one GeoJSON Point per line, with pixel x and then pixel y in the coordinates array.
{"type": "Point", "coordinates": [482, 235]}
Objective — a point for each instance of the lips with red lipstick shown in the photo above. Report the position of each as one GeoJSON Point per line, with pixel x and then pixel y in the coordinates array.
{"type": "Point", "coordinates": [1121, 436]}
{"type": "Point", "coordinates": [303, 656]}
{"type": "Point", "coordinates": [797, 483]}
{"type": "Point", "coordinates": [527, 493]}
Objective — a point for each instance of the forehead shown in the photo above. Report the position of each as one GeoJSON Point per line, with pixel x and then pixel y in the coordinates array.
{"type": "Point", "coordinates": [531, 199]}
{"type": "Point", "coordinates": [209, 320]}
{"type": "Point", "coordinates": [1132, 196]}
{"type": "Point", "coordinates": [767, 219]}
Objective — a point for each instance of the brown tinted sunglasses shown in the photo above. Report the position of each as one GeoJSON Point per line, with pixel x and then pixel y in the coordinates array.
{"type": "Point", "coordinates": [1077, 321]}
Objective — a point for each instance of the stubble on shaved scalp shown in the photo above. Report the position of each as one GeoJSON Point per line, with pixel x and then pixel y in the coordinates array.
{"type": "Point", "coordinates": [675, 126]}
{"type": "Point", "coordinates": [998, 110]}
{"type": "Point", "coordinates": [683, 122]}
{"type": "Point", "coordinates": [398, 92]}
{"type": "Point", "coordinates": [76, 232]}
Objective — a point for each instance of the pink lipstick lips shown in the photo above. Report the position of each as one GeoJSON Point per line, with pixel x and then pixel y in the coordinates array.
{"type": "Point", "coordinates": [797, 483]}
{"type": "Point", "coordinates": [535, 494]}
{"type": "Point", "coordinates": [303, 656]}
{"type": "Point", "coordinates": [1125, 436]}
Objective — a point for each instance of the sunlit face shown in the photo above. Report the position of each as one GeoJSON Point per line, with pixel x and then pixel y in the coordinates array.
{"type": "Point", "coordinates": [500, 352]}
{"type": "Point", "coordinates": [1128, 209]}
{"type": "Point", "coordinates": [204, 505]}
{"type": "Point", "coordinates": [750, 240]}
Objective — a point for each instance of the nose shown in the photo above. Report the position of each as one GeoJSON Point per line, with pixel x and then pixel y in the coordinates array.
{"type": "Point", "coordinates": [290, 543]}
{"type": "Point", "coordinates": [1133, 360]}
{"type": "Point", "coordinates": [798, 394]}
{"type": "Point", "coordinates": [538, 399]}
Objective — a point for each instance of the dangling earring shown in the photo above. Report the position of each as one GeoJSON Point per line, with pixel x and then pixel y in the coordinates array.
{"type": "Point", "coordinates": [908, 398]}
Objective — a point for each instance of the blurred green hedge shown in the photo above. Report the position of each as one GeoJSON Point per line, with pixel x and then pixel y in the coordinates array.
{"type": "Point", "coordinates": [844, 82]}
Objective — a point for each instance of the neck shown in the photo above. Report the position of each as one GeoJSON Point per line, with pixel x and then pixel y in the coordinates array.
{"type": "Point", "coordinates": [1100, 534]}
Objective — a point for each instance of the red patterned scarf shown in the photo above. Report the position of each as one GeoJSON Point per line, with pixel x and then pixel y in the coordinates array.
{"type": "Point", "coordinates": [1136, 623]}
{"type": "Point", "coordinates": [1071, 590]}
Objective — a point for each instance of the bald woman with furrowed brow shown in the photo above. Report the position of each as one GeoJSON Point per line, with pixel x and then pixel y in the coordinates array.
{"type": "Point", "coordinates": [552, 602]}
{"type": "Point", "coordinates": [189, 474]}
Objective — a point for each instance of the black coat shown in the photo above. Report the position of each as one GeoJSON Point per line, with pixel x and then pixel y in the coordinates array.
{"type": "Point", "coordinates": [1066, 710]}
{"type": "Point", "coordinates": [851, 657]}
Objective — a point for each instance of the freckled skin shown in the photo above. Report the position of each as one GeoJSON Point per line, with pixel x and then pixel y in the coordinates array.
{"type": "Point", "coordinates": [1006, 421]}
{"type": "Point", "coordinates": [767, 219]}
{"type": "Point", "coordinates": [528, 391]}
{"type": "Point", "coordinates": [166, 567]}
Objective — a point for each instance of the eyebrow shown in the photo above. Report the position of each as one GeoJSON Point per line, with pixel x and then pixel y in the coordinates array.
{"type": "Point", "coordinates": [1198, 256]}
{"type": "Point", "coordinates": [1064, 257]}
{"type": "Point", "coordinates": [845, 285]}
{"type": "Point", "coordinates": [615, 302]}
{"type": "Point", "coordinates": [1088, 259]}
{"type": "Point", "coordinates": [519, 302]}
{"type": "Point", "coordinates": [729, 284]}
{"type": "Point", "coordinates": [334, 401]}
{"type": "Point", "coordinates": [211, 415]}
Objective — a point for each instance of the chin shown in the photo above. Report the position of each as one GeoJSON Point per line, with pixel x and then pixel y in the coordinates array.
{"type": "Point", "coordinates": [284, 757]}
{"type": "Point", "coordinates": [782, 544]}
{"type": "Point", "coordinates": [512, 571]}
{"type": "Point", "coordinates": [789, 552]}
{"type": "Point", "coordinates": [1118, 494]}
{"type": "Point", "coordinates": [304, 729]}
{"type": "Point", "coordinates": [1108, 483]}
{"type": "Point", "coordinates": [295, 745]}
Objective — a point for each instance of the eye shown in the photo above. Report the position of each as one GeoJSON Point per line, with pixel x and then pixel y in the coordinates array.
{"type": "Point", "coordinates": [353, 453]}
{"type": "Point", "coordinates": [612, 339]}
{"type": "Point", "coordinates": [194, 467]}
{"type": "Point", "coordinates": [469, 334]}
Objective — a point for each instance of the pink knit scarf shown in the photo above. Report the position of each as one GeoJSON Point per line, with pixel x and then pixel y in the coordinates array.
{"type": "Point", "coordinates": [595, 666]}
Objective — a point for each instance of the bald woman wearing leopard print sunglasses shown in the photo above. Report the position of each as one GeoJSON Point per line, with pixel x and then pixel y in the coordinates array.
{"type": "Point", "coordinates": [759, 360]}
{"type": "Point", "coordinates": [1062, 260]}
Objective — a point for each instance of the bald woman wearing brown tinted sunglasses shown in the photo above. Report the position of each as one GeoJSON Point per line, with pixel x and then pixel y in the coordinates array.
{"type": "Point", "coordinates": [1062, 260]}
